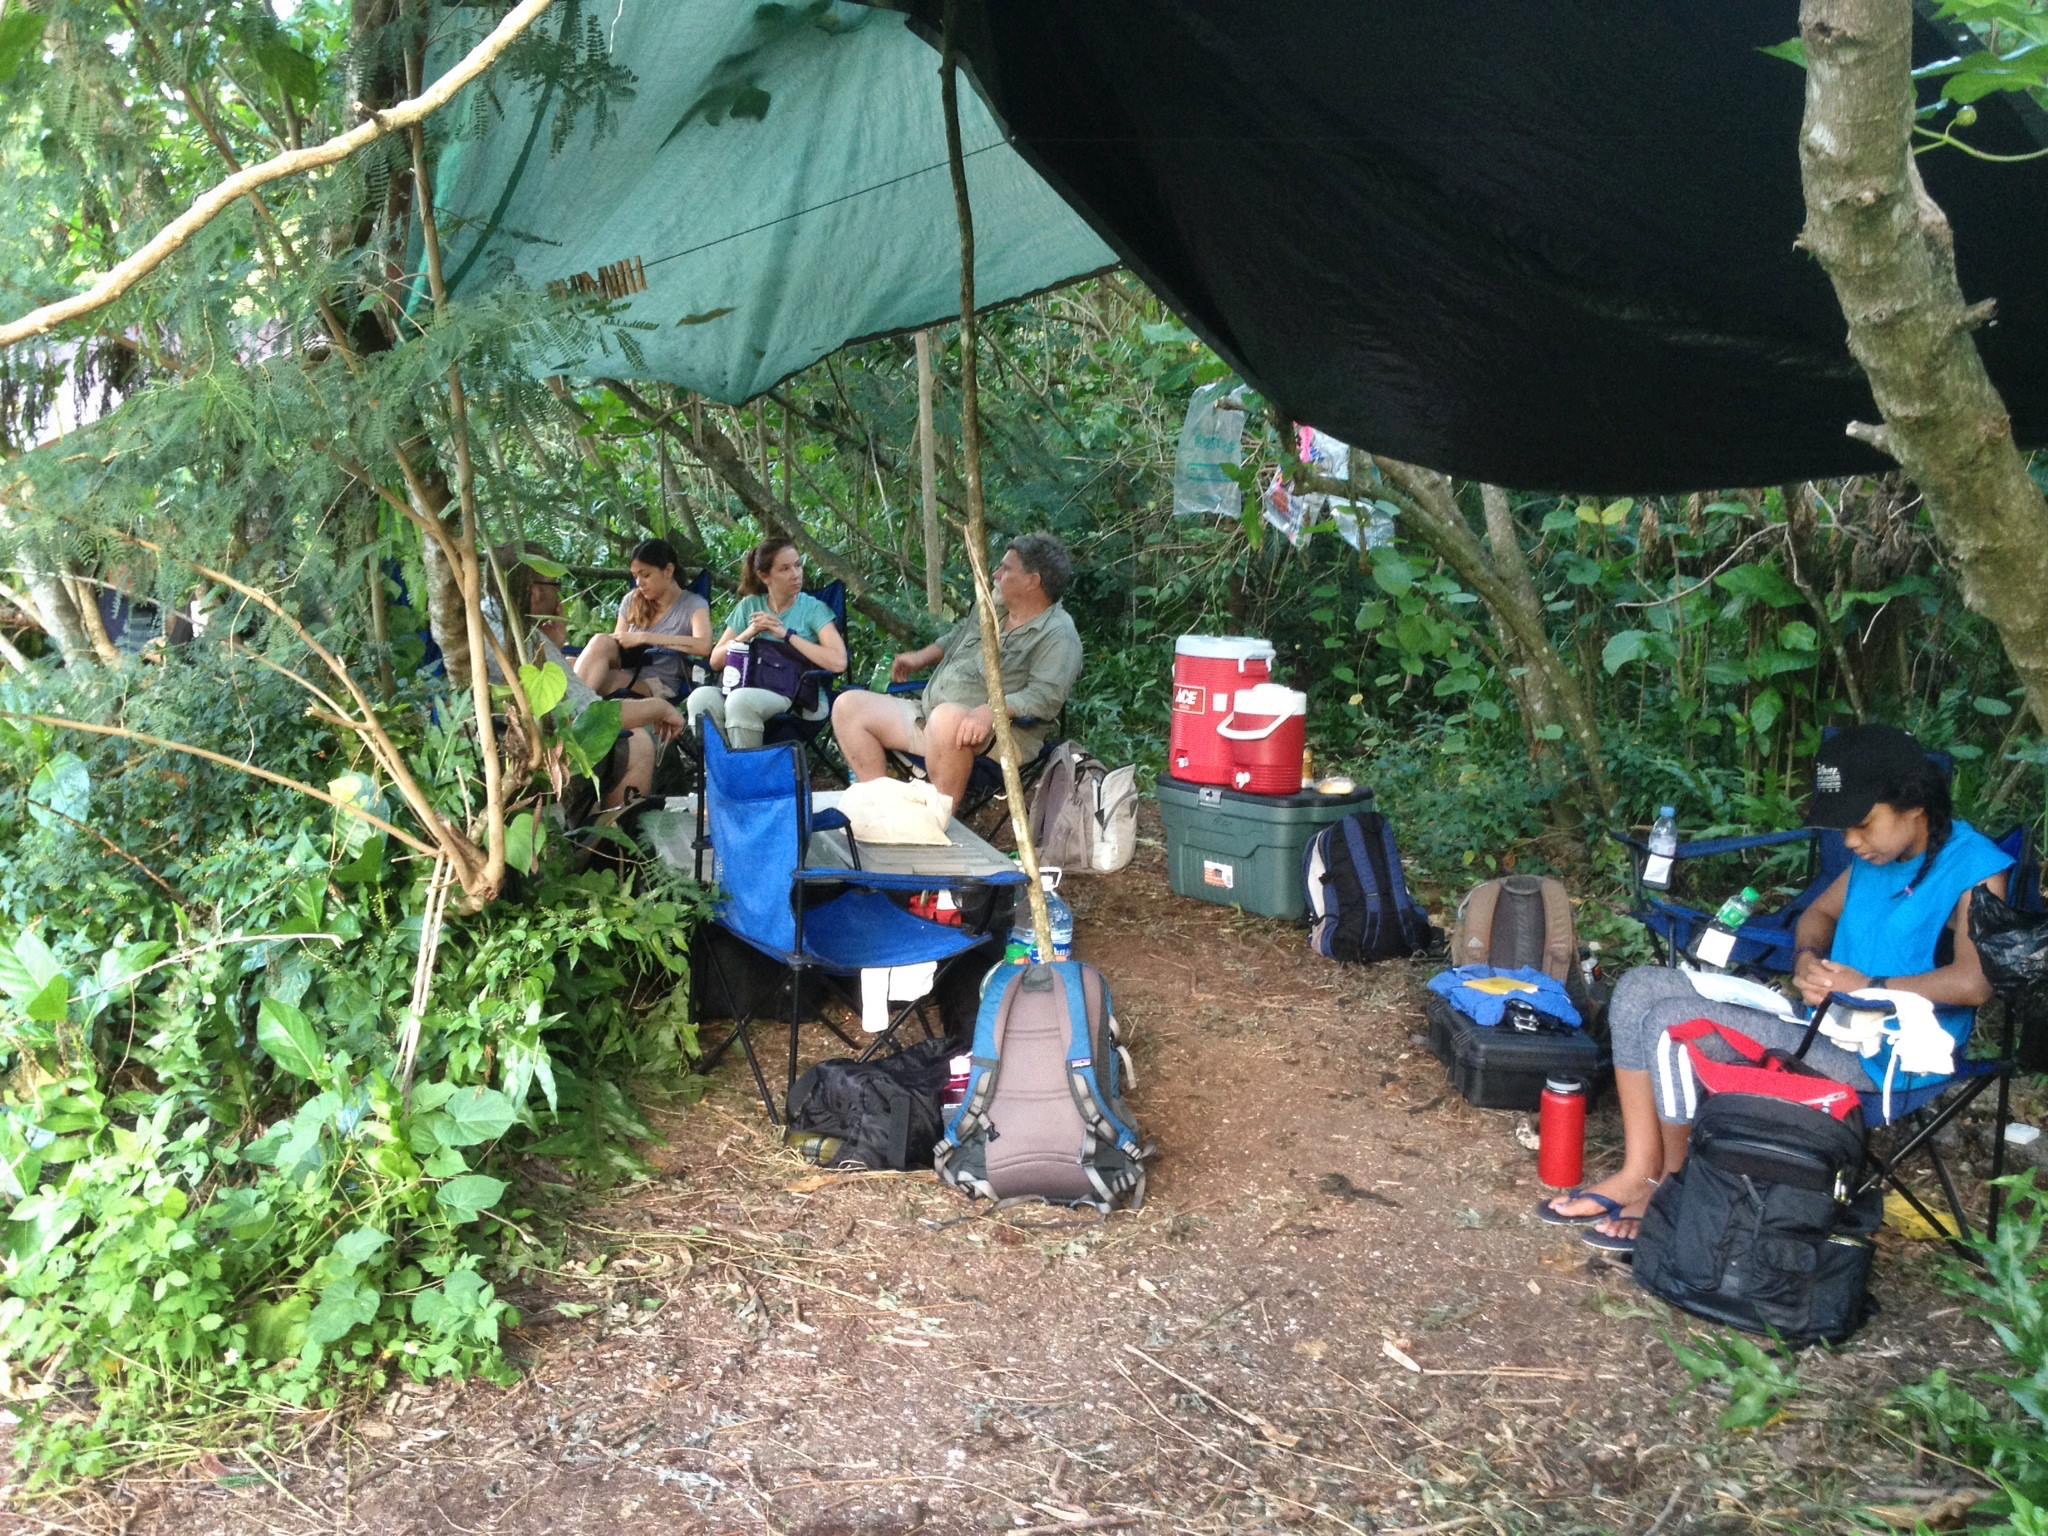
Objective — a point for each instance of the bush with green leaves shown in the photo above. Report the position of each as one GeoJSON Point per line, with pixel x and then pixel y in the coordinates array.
{"type": "Point", "coordinates": [222, 1203]}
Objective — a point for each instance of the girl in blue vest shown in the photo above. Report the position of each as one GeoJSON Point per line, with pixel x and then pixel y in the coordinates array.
{"type": "Point", "coordinates": [1908, 885]}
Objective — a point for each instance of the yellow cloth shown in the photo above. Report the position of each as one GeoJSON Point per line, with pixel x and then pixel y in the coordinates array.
{"type": "Point", "coordinates": [1501, 986]}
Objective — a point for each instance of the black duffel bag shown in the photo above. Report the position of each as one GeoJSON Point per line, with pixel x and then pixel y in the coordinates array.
{"type": "Point", "coordinates": [871, 1114]}
{"type": "Point", "coordinates": [1762, 1229]}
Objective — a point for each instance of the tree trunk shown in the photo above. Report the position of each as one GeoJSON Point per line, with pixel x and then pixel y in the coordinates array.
{"type": "Point", "coordinates": [59, 615]}
{"type": "Point", "coordinates": [928, 474]}
{"type": "Point", "coordinates": [1540, 709]}
{"type": "Point", "coordinates": [1890, 253]}
{"type": "Point", "coordinates": [1431, 515]}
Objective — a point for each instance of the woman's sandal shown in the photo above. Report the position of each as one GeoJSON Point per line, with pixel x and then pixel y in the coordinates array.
{"type": "Point", "coordinates": [1546, 1212]}
{"type": "Point", "coordinates": [1613, 1244]}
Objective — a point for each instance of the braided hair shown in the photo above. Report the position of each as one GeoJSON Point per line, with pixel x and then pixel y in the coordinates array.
{"type": "Point", "coordinates": [1924, 787]}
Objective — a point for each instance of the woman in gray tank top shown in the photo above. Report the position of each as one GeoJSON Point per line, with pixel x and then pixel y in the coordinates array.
{"type": "Point", "coordinates": [659, 625]}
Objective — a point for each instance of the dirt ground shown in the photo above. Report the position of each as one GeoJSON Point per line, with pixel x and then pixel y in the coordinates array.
{"type": "Point", "coordinates": [1335, 1312]}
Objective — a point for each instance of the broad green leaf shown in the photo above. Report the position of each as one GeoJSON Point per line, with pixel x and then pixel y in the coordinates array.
{"type": "Point", "coordinates": [52, 1003]}
{"type": "Point", "coordinates": [296, 74]}
{"type": "Point", "coordinates": [593, 734]}
{"type": "Point", "coordinates": [523, 835]}
{"type": "Point", "coordinates": [360, 1246]}
{"type": "Point", "coordinates": [61, 792]}
{"type": "Point", "coordinates": [1615, 513]}
{"type": "Point", "coordinates": [466, 1197]}
{"type": "Point", "coordinates": [1552, 732]}
{"type": "Point", "coordinates": [277, 1329]}
{"type": "Point", "coordinates": [346, 1305]}
{"type": "Point", "coordinates": [1624, 647]}
{"type": "Point", "coordinates": [1988, 706]}
{"type": "Point", "coordinates": [1792, 51]}
{"type": "Point", "coordinates": [475, 1115]}
{"type": "Point", "coordinates": [1763, 582]}
{"type": "Point", "coordinates": [545, 686]}
{"type": "Point", "coordinates": [28, 968]}
{"type": "Point", "coordinates": [288, 1035]}
{"type": "Point", "coordinates": [1764, 712]}
{"type": "Point", "coordinates": [1393, 573]}
{"type": "Point", "coordinates": [1798, 636]}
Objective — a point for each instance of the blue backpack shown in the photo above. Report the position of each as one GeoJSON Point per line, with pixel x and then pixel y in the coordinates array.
{"type": "Point", "coordinates": [1359, 908]}
{"type": "Point", "coordinates": [1044, 1115]}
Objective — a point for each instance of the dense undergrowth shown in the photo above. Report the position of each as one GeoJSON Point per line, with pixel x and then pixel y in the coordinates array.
{"type": "Point", "coordinates": [224, 1206]}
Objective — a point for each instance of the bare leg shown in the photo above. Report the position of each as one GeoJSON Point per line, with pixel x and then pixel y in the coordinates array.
{"type": "Point", "coordinates": [598, 660]}
{"type": "Point", "coordinates": [946, 763]}
{"type": "Point", "coordinates": [639, 775]}
{"type": "Point", "coordinates": [1644, 1139]}
{"type": "Point", "coordinates": [868, 726]}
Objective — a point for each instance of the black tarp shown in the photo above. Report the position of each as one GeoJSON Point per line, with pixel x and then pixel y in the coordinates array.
{"type": "Point", "coordinates": [1544, 244]}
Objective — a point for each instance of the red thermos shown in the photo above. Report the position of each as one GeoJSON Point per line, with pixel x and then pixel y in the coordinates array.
{"type": "Point", "coordinates": [1561, 1133]}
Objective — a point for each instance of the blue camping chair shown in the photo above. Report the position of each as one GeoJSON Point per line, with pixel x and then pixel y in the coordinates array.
{"type": "Point", "coordinates": [1765, 946]}
{"type": "Point", "coordinates": [833, 920]}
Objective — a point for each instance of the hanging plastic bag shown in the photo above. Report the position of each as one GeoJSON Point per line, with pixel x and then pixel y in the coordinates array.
{"type": "Point", "coordinates": [2012, 946]}
{"type": "Point", "coordinates": [1211, 444]}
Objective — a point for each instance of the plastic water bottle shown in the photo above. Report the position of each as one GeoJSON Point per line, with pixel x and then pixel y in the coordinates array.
{"type": "Point", "coordinates": [1023, 945]}
{"type": "Point", "coordinates": [1663, 849]}
{"type": "Point", "coordinates": [1736, 910]}
{"type": "Point", "coordinates": [1716, 942]}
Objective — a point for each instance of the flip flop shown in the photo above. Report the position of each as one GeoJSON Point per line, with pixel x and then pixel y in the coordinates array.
{"type": "Point", "coordinates": [1619, 1248]}
{"type": "Point", "coordinates": [1608, 1207]}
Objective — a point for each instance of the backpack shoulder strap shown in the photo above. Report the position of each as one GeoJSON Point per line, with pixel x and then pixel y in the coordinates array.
{"type": "Point", "coordinates": [1089, 1098]}
{"type": "Point", "coordinates": [986, 1060]}
{"type": "Point", "coordinates": [1560, 931]}
{"type": "Point", "coordinates": [1473, 943]}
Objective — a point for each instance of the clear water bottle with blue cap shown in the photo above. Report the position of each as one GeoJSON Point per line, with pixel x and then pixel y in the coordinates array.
{"type": "Point", "coordinates": [1663, 849]}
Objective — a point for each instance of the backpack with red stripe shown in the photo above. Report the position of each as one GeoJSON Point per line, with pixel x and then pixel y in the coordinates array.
{"type": "Point", "coordinates": [1768, 1225]}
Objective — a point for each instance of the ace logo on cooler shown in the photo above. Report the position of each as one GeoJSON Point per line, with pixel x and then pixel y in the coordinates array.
{"type": "Point", "coordinates": [1217, 873]}
{"type": "Point", "coordinates": [1190, 699]}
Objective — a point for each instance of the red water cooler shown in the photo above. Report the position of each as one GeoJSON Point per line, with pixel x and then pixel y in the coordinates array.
{"type": "Point", "coordinates": [1208, 672]}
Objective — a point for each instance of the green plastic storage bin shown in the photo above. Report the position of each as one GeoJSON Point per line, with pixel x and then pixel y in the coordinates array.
{"type": "Point", "coordinates": [1241, 850]}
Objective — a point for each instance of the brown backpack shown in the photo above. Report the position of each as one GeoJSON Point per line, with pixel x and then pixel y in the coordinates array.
{"type": "Point", "coordinates": [1517, 921]}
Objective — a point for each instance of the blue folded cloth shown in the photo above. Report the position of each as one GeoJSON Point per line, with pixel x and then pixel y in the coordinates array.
{"type": "Point", "coordinates": [1485, 1005]}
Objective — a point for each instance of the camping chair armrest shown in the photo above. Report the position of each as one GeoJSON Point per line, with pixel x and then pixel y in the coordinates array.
{"type": "Point", "coordinates": [835, 821]}
{"type": "Point", "coordinates": [1711, 847]}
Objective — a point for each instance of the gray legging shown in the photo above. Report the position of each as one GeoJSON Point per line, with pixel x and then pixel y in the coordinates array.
{"type": "Point", "coordinates": [1651, 999]}
{"type": "Point", "coordinates": [745, 712]}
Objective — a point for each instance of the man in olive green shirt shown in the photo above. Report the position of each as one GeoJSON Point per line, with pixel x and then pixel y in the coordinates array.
{"type": "Point", "coordinates": [952, 724]}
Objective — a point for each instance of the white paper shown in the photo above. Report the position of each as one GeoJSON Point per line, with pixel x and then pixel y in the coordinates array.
{"type": "Point", "coordinates": [1657, 870]}
{"type": "Point", "coordinates": [1740, 991]}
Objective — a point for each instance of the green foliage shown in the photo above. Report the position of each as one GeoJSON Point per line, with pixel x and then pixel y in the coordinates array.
{"type": "Point", "coordinates": [220, 1205]}
{"type": "Point", "coordinates": [2007, 1438]}
{"type": "Point", "coordinates": [1759, 1382]}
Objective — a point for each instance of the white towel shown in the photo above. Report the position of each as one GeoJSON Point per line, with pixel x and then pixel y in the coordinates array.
{"type": "Point", "coordinates": [880, 985]}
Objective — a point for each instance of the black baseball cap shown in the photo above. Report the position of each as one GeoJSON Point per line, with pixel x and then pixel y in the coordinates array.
{"type": "Point", "coordinates": [1857, 768]}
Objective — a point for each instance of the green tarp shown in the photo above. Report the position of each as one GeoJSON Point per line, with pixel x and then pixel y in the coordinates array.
{"type": "Point", "coordinates": [778, 174]}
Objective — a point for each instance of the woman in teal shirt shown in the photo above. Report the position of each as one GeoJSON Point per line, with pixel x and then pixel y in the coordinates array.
{"type": "Point", "coordinates": [1911, 873]}
{"type": "Point", "coordinates": [773, 605]}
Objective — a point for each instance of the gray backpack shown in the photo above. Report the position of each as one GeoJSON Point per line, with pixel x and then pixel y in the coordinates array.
{"type": "Point", "coordinates": [1044, 1115]}
{"type": "Point", "coordinates": [1084, 817]}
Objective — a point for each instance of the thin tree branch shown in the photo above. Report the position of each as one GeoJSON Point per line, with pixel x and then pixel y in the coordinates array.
{"type": "Point", "coordinates": [122, 733]}
{"type": "Point", "coordinates": [209, 205]}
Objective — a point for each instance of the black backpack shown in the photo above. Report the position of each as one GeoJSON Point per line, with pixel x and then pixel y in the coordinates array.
{"type": "Point", "coordinates": [1359, 908]}
{"type": "Point", "coordinates": [1763, 1229]}
{"type": "Point", "coordinates": [871, 1114]}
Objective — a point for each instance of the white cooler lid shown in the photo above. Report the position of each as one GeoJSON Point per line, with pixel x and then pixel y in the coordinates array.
{"type": "Point", "coordinates": [1225, 647]}
{"type": "Point", "coordinates": [1268, 700]}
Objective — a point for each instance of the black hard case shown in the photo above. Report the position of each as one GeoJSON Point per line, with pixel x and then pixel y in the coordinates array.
{"type": "Point", "coordinates": [1500, 1068]}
